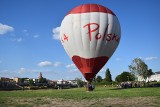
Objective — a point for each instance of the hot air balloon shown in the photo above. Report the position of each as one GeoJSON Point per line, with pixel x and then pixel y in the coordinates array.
{"type": "Point", "coordinates": [90, 33]}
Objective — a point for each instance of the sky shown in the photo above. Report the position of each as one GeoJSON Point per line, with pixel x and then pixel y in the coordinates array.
{"type": "Point", "coordinates": [29, 32]}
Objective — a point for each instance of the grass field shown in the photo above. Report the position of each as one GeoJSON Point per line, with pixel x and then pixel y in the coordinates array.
{"type": "Point", "coordinates": [78, 97]}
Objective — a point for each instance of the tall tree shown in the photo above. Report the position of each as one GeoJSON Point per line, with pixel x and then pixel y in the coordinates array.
{"type": "Point", "coordinates": [139, 68]}
{"type": "Point", "coordinates": [149, 73]}
{"type": "Point", "coordinates": [99, 78]}
{"type": "Point", "coordinates": [108, 76]}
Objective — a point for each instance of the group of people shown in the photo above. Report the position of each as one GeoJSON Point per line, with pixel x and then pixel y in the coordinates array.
{"type": "Point", "coordinates": [129, 84]}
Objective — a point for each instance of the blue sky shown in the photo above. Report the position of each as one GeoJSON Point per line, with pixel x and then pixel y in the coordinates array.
{"type": "Point", "coordinates": [29, 30]}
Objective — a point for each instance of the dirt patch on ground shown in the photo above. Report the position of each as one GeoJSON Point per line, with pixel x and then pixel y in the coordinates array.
{"type": "Point", "coordinates": [103, 102]}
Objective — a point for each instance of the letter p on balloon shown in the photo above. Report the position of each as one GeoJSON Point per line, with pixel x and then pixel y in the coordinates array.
{"type": "Point", "coordinates": [91, 30]}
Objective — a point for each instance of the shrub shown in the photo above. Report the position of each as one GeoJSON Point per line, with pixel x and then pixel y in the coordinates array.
{"type": "Point", "coordinates": [154, 84]}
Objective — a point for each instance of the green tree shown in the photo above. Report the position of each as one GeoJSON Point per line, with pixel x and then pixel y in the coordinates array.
{"type": "Point", "coordinates": [99, 79]}
{"type": "Point", "coordinates": [118, 78]}
{"type": "Point", "coordinates": [125, 76]}
{"type": "Point", "coordinates": [139, 68]}
{"type": "Point", "coordinates": [79, 82]}
{"type": "Point", "coordinates": [108, 76]}
{"type": "Point", "coordinates": [31, 82]}
{"type": "Point", "coordinates": [149, 73]}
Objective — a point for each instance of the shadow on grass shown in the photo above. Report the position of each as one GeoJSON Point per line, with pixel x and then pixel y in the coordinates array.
{"type": "Point", "coordinates": [121, 88]}
{"type": "Point", "coordinates": [117, 88]}
{"type": "Point", "coordinates": [132, 88]}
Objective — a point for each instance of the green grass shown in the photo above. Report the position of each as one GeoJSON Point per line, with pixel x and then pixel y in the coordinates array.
{"type": "Point", "coordinates": [78, 94]}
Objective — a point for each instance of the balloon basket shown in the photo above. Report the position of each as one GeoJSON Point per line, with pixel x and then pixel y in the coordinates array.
{"type": "Point", "coordinates": [89, 86]}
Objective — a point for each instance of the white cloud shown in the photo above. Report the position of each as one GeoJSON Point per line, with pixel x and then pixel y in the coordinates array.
{"type": "Point", "coordinates": [73, 70]}
{"type": "Point", "coordinates": [151, 58]}
{"type": "Point", "coordinates": [56, 33]}
{"type": "Point", "coordinates": [0, 61]}
{"type": "Point", "coordinates": [70, 66]}
{"type": "Point", "coordinates": [35, 36]}
{"type": "Point", "coordinates": [56, 64]}
{"type": "Point", "coordinates": [48, 63]}
{"type": "Point", "coordinates": [5, 28]}
{"type": "Point", "coordinates": [22, 70]}
{"type": "Point", "coordinates": [45, 63]}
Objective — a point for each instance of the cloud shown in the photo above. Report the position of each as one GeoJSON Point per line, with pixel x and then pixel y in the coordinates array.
{"type": "Point", "coordinates": [70, 66]}
{"type": "Point", "coordinates": [17, 39]}
{"type": "Point", "coordinates": [0, 61]}
{"type": "Point", "coordinates": [5, 28]}
{"type": "Point", "coordinates": [73, 70]}
{"type": "Point", "coordinates": [45, 63]}
{"type": "Point", "coordinates": [56, 33]}
{"type": "Point", "coordinates": [48, 63]}
{"type": "Point", "coordinates": [22, 70]}
{"type": "Point", "coordinates": [151, 58]}
{"type": "Point", "coordinates": [35, 36]}
{"type": "Point", "coordinates": [56, 64]}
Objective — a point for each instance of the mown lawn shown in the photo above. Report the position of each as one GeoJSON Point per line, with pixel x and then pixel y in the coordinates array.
{"type": "Point", "coordinates": [47, 97]}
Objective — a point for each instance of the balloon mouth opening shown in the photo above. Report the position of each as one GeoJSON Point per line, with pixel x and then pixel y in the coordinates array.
{"type": "Point", "coordinates": [89, 67]}
{"type": "Point", "coordinates": [89, 76]}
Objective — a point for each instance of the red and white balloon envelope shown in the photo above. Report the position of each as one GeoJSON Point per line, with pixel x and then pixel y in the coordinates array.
{"type": "Point", "coordinates": [90, 34]}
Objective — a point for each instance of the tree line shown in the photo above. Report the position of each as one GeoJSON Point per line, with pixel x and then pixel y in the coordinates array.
{"type": "Point", "coordinates": [137, 68]}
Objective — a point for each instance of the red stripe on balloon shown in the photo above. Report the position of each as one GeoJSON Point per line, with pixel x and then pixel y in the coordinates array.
{"type": "Point", "coordinates": [89, 67]}
{"type": "Point", "coordinates": [90, 8]}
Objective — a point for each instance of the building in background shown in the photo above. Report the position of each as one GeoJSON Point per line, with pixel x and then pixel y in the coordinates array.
{"type": "Point", "coordinates": [17, 79]}
{"type": "Point", "coordinates": [155, 77]}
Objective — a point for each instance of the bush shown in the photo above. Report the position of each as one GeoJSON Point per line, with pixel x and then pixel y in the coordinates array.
{"type": "Point", "coordinates": [113, 83]}
{"type": "Point", "coordinates": [33, 87]}
{"type": "Point", "coordinates": [154, 84]}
